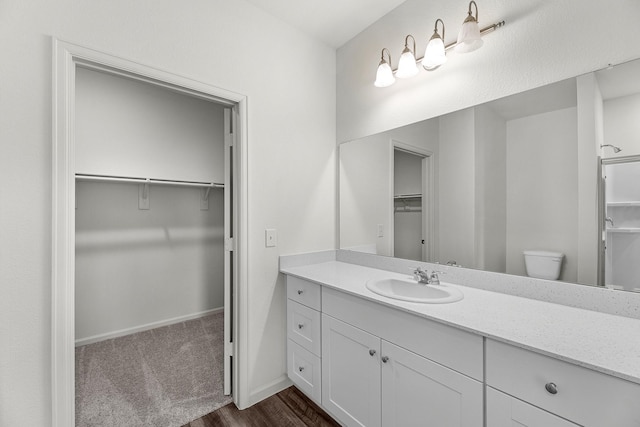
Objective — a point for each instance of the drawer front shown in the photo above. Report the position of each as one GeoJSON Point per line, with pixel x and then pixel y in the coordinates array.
{"type": "Point", "coordinates": [304, 292]}
{"type": "Point", "coordinates": [507, 411]}
{"type": "Point", "coordinates": [303, 326]}
{"type": "Point", "coordinates": [449, 346]}
{"type": "Point", "coordinates": [303, 369]}
{"type": "Point", "coordinates": [583, 396]}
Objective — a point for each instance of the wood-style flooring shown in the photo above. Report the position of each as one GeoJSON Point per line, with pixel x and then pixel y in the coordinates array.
{"type": "Point", "coordinates": [289, 408]}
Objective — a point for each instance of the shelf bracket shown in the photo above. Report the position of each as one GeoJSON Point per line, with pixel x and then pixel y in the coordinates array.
{"type": "Point", "coordinates": [204, 198]}
{"type": "Point", "coordinates": [143, 196]}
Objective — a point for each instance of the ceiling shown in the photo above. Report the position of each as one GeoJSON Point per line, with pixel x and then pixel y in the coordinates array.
{"type": "Point", "coordinates": [333, 22]}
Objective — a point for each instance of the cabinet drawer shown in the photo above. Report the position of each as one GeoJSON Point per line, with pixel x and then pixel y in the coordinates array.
{"type": "Point", "coordinates": [304, 292]}
{"type": "Point", "coordinates": [303, 369]}
{"type": "Point", "coordinates": [507, 411]}
{"type": "Point", "coordinates": [303, 326]}
{"type": "Point", "coordinates": [584, 396]}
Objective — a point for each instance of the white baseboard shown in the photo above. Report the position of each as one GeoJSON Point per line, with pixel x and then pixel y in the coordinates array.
{"type": "Point", "coordinates": [270, 389]}
{"type": "Point", "coordinates": [146, 327]}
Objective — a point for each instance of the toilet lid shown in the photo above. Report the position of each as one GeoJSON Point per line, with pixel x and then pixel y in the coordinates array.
{"type": "Point", "coordinates": [544, 253]}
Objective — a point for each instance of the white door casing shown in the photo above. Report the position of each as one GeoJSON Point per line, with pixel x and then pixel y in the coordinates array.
{"type": "Point", "coordinates": [66, 57]}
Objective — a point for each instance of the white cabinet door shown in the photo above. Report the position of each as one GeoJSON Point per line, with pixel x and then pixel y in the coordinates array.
{"type": "Point", "coordinates": [507, 411]}
{"type": "Point", "coordinates": [419, 392]}
{"type": "Point", "coordinates": [350, 373]}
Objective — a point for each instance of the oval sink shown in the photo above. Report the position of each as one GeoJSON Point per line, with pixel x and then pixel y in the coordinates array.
{"type": "Point", "coordinates": [409, 290]}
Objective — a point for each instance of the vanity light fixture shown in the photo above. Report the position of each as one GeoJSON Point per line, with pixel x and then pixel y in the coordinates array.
{"type": "Point", "coordinates": [384, 76]}
{"type": "Point", "coordinates": [435, 55]}
{"type": "Point", "coordinates": [469, 36]}
{"type": "Point", "coordinates": [469, 39]}
{"type": "Point", "coordinates": [407, 66]}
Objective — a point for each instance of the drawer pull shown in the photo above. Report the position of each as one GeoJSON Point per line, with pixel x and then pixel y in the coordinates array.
{"type": "Point", "coordinates": [300, 326]}
{"type": "Point", "coordinates": [384, 359]}
{"type": "Point", "coordinates": [551, 388]}
{"type": "Point", "coordinates": [301, 368]}
{"type": "Point", "coordinates": [372, 352]}
{"type": "Point", "coordinates": [300, 291]}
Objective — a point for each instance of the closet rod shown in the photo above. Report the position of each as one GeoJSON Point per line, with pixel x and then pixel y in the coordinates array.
{"type": "Point", "coordinates": [84, 177]}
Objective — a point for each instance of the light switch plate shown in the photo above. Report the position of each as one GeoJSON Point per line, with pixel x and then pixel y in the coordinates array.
{"type": "Point", "coordinates": [380, 230]}
{"type": "Point", "coordinates": [270, 237]}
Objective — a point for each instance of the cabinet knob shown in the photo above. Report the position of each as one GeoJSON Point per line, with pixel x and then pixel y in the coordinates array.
{"type": "Point", "coordinates": [301, 368]}
{"type": "Point", "coordinates": [300, 326]}
{"type": "Point", "coordinates": [300, 291]}
{"type": "Point", "coordinates": [551, 388]}
{"type": "Point", "coordinates": [384, 359]}
{"type": "Point", "coordinates": [372, 352]}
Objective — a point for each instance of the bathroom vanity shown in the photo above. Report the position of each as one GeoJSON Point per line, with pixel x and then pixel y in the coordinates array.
{"type": "Point", "coordinates": [490, 359]}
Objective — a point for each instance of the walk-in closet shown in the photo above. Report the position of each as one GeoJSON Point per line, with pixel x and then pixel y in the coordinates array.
{"type": "Point", "coordinates": [409, 218]}
{"type": "Point", "coordinates": [152, 269]}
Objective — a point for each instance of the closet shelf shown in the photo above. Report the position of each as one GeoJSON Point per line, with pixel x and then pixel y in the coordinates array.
{"type": "Point", "coordinates": [107, 178]}
{"type": "Point", "coordinates": [622, 204]}
{"type": "Point", "coordinates": [624, 230]}
{"type": "Point", "coordinates": [407, 196]}
{"type": "Point", "coordinates": [407, 209]}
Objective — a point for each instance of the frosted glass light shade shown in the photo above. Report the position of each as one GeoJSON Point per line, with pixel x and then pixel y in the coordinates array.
{"type": "Point", "coordinates": [384, 75]}
{"type": "Point", "coordinates": [407, 66]}
{"type": "Point", "coordinates": [469, 36]}
{"type": "Point", "coordinates": [434, 55]}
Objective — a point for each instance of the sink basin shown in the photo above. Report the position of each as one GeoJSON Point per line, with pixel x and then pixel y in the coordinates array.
{"type": "Point", "coordinates": [409, 290]}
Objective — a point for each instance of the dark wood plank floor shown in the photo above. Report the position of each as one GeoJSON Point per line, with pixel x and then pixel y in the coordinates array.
{"type": "Point", "coordinates": [289, 408]}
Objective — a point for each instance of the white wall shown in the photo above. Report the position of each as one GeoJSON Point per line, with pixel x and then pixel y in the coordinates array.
{"type": "Point", "coordinates": [542, 42]}
{"type": "Point", "coordinates": [590, 136]}
{"type": "Point", "coordinates": [542, 189]}
{"type": "Point", "coordinates": [621, 125]}
{"type": "Point", "coordinates": [456, 203]}
{"type": "Point", "coordinates": [491, 190]}
{"type": "Point", "coordinates": [133, 129]}
{"type": "Point", "coordinates": [135, 267]}
{"type": "Point", "coordinates": [291, 134]}
{"type": "Point", "coordinates": [364, 194]}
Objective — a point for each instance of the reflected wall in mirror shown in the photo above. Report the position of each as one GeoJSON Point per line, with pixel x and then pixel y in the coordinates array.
{"type": "Point", "coordinates": [480, 186]}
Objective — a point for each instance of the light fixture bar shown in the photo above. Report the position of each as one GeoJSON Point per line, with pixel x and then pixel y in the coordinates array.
{"type": "Point", "coordinates": [486, 30]}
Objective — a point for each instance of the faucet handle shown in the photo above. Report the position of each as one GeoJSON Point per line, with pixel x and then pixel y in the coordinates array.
{"type": "Point", "coordinates": [434, 279]}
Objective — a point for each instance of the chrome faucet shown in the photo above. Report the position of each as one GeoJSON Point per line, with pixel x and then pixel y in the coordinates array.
{"type": "Point", "coordinates": [421, 276]}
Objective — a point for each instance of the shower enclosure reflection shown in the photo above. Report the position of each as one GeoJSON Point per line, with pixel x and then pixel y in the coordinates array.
{"type": "Point", "coordinates": [515, 174]}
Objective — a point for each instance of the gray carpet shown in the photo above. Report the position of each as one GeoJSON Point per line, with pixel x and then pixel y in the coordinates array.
{"type": "Point", "coordinates": [164, 377]}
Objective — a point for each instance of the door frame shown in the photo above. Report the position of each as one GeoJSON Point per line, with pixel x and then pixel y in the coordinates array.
{"type": "Point", "coordinates": [66, 58]}
{"type": "Point", "coordinates": [428, 196]}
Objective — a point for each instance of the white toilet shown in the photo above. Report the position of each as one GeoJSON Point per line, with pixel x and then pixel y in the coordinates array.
{"type": "Point", "coordinates": [543, 264]}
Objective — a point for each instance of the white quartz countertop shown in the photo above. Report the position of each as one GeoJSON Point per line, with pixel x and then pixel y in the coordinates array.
{"type": "Point", "coordinates": [599, 341]}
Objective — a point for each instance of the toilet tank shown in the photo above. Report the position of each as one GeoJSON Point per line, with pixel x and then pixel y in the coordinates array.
{"type": "Point", "coordinates": [543, 264]}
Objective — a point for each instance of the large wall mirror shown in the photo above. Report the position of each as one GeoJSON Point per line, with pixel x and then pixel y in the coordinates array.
{"type": "Point", "coordinates": [553, 169]}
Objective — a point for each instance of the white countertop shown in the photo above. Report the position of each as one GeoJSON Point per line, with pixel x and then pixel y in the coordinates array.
{"type": "Point", "coordinates": [599, 341]}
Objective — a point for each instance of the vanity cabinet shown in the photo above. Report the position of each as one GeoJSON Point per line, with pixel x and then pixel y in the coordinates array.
{"type": "Point", "coordinates": [376, 365]}
{"type": "Point", "coordinates": [577, 394]}
{"type": "Point", "coordinates": [370, 378]}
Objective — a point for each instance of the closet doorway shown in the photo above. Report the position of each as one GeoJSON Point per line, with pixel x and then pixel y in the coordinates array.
{"type": "Point", "coordinates": [110, 169]}
{"type": "Point", "coordinates": [412, 175]}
